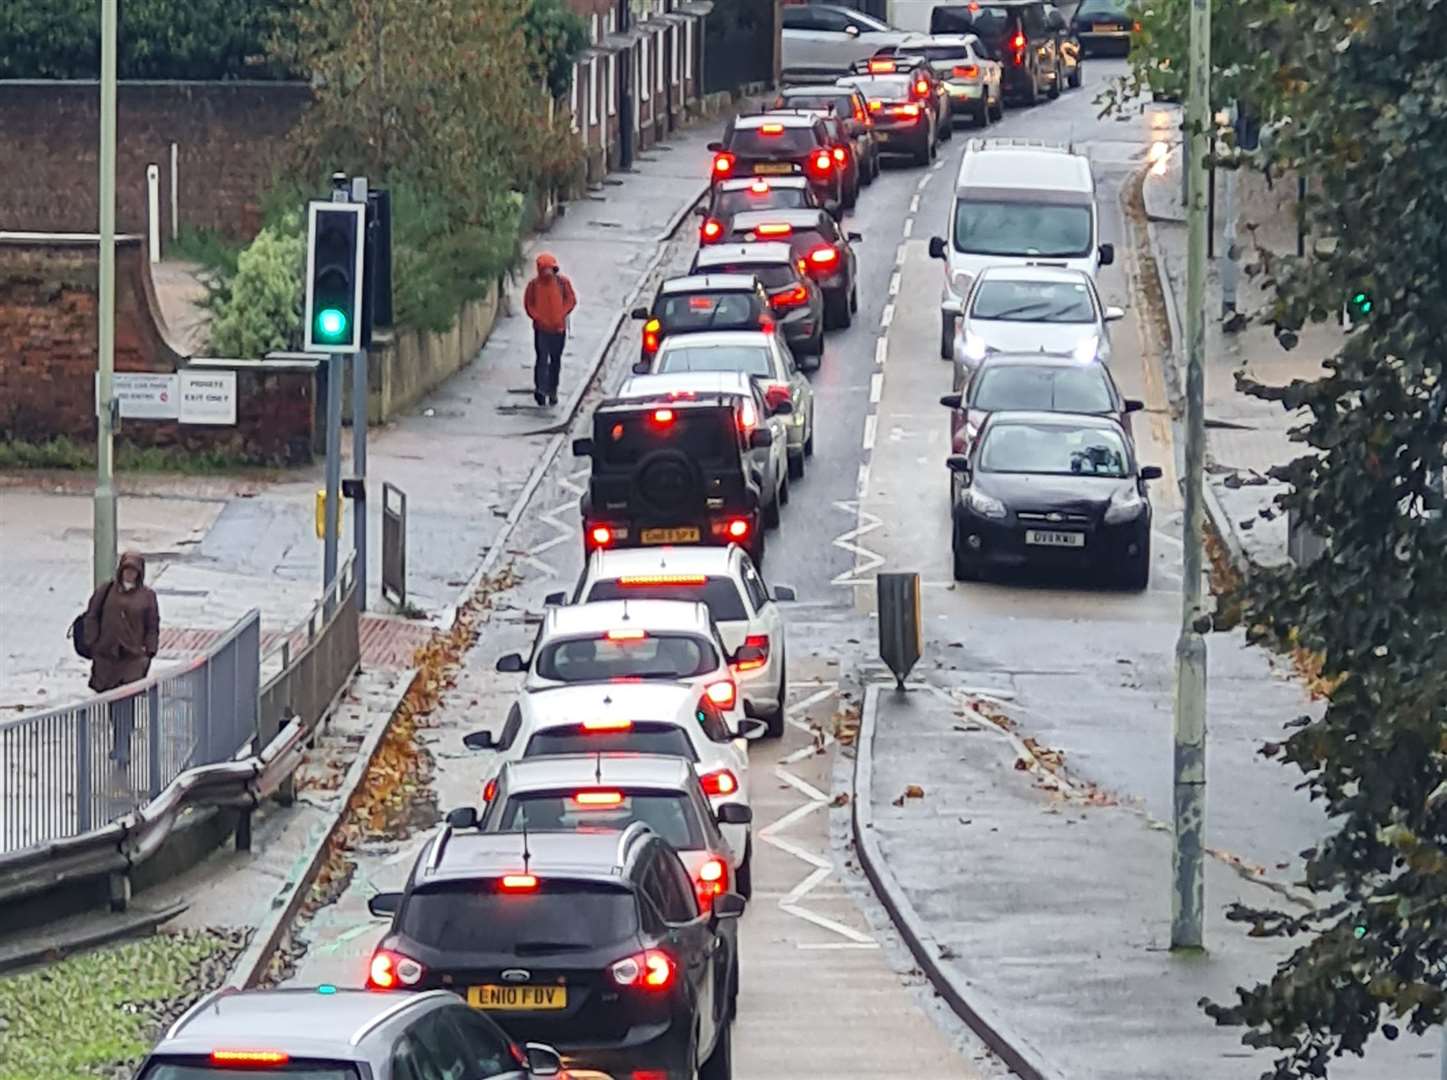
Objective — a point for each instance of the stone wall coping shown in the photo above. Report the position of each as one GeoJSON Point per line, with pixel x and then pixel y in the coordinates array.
{"type": "Point", "coordinates": [206, 83]}
{"type": "Point", "coordinates": [75, 239]}
{"type": "Point", "coordinates": [273, 362]}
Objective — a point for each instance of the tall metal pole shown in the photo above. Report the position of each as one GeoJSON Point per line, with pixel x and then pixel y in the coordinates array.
{"type": "Point", "coordinates": [104, 516]}
{"type": "Point", "coordinates": [359, 472]}
{"type": "Point", "coordinates": [1187, 895]}
{"type": "Point", "coordinates": [1230, 266]}
{"type": "Point", "coordinates": [331, 524]}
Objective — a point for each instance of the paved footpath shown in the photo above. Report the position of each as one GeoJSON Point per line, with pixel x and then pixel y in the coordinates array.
{"type": "Point", "coordinates": [217, 547]}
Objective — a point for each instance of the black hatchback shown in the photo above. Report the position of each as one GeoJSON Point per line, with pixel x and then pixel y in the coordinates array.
{"type": "Point", "coordinates": [700, 302]}
{"type": "Point", "coordinates": [594, 941]}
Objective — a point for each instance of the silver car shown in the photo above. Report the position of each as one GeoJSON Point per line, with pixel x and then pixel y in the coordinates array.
{"type": "Point", "coordinates": [970, 77]}
{"type": "Point", "coordinates": [1031, 309]}
{"type": "Point", "coordinates": [765, 357]}
{"type": "Point", "coordinates": [341, 1035]}
{"type": "Point", "coordinates": [820, 41]}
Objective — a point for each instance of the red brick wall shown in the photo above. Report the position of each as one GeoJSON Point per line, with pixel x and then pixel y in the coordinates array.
{"type": "Point", "coordinates": [48, 311]}
{"type": "Point", "coordinates": [230, 140]}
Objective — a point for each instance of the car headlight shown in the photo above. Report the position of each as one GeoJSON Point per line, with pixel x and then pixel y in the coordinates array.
{"type": "Point", "coordinates": [1088, 349]}
{"type": "Point", "coordinates": [974, 348]}
{"type": "Point", "coordinates": [1125, 506]}
{"type": "Point", "coordinates": [984, 505]}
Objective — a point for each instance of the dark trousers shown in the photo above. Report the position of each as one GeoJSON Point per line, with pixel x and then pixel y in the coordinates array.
{"type": "Point", "coordinates": [548, 360]}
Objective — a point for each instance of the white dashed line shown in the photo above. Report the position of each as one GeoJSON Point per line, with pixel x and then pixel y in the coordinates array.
{"type": "Point", "coordinates": [861, 484]}
{"type": "Point", "coordinates": [923, 182]}
{"type": "Point", "coordinates": [914, 205]}
{"type": "Point", "coordinates": [886, 316]}
{"type": "Point", "coordinates": [908, 227]}
{"type": "Point", "coordinates": [938, 165]}
{"type": "Point", "coordinates": [871, 423]}
{"type": "Point", "coordinates": [894, 285]}
{"type": "Point", "coordinates": [899, 257]}
{"type": "Point", "coordinates": [881, 351]}
{"type": "Point", "coordinates": [876, 387]}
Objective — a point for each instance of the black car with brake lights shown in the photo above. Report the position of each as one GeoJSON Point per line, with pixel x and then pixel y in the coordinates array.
{"type": "Point", "coordinates": [594, 940]}
{"type": "Point", "coordinates": [781, 144]}
{"type": "Point", "coordinates": [1020, 35]}
{"type": "Point", "coordinates": [902, 123]}
{"type": "Point", "coordinates": [842, 147]}
{"type": "Point", "coordinates": [794, 296]}
{"type": "Point", "coordinates": [821, 248]}
{"type": "Point", "coordinates": [700, 302]}
{"type": "Point", "coordinates": [1052, 490]}
{"type": "Point", "coordinates": [672, 473]}
{"type": "Point", "coordinates": [849, 105]}
{"type": "Point", "coordinates": [1104, 27]}
{"type": "Point", "coordinates": [925, 87]}
{"type": "Point", "coordinates": [730, 197]}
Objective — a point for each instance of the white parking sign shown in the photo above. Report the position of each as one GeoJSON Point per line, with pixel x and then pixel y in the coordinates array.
{"type": "Point", "coordinates": [208, 397]}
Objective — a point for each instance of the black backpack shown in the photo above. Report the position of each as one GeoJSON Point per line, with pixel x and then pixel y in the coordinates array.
{"type": "Point", "coordinates": [76, 633]}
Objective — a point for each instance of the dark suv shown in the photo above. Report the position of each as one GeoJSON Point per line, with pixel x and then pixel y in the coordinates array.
{"type": "Point", "coordinates": [699, 302]}
{"type": "Point", "coordinates": [674, 472]}
{"type": "Point", "coordinates": [594, 939]}
{"type": "Point", "coordinates": [782, 144]}
{"type": "Point", "coordinates": [1025, 36]}
{"type": "Point", "coordinates": [823, 250]}
{"type": "Point", "coordinates": [849, 105]}
{"type": "Point", "coordinates": [796, 298]}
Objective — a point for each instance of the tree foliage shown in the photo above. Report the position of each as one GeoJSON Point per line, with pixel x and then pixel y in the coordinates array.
{"type": "Point", "coordinates": [555, 35]}
{"type": "Point", "coordinates": [1354, 95]}
{"type": "Point", "coordinates": [258, 308]}
{"type": "Point", "coordinates": [155, 39]}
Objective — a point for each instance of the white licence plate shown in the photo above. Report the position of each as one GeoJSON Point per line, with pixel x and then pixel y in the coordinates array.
{"type": "Point", "coordinates": [1047, 538]}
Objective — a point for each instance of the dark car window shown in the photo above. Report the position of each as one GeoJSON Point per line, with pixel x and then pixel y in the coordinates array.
{"type": "Point", "coordinates": [654, 655]}
{"type": "Point", "coordinates": [886, 87]}
{"type": "Point", "coordinates": [1053, 389]}
{"type": "Point", "coordinates": [775, 276]}
{"type": "Point", "coordinates": [1054, 451]}
{"type": "Point", "coordinates": [1102, 9]}
{"type": "Point", "coordinates": [440, 1049]}
{"type": "Point", "coordinates": [641, 738]}
{"type": "Point", "coordinates": [708, 311]}
{"type": "Point", "coordinates": [1034, 301]}
{"type": "Point", "coordinates": [479, 917]}
{"type": "Point", "coordinates": [841, 103]}
{"type": "Point", "coordinates": [411, 1062]}
{"type": "Point", "coordinates": [1034, 20]}
{"type": "Point", "coordinates": [758, 593]}
{"type": "Point", "coordinates": [935, 52]}
{"type": "Point", "coordinates": [773, 140]}
{"type": "Point", "coordinates": [798, 17]}
{"type": "Point", "coordinates": [719, 593]}
{"type": "Point", "coordinates": [485, 1043]}
{"type": "Point", "coordinates": [299, 1070]}
{"type": "Point", "coordinates": [668, 813]}
{"type": "Point", "coordinates": [706, 435]}
{"type": "Point", "coordinates": [673, 897]}
{"type": "Point", "coordinates": [991, 22]}
{"type": "Point", "coordinates": [1021, 228]}
{"type": "Point", "coordinates": [711, 720]}
{"type": "Point", "coordinates": [748, 359]}
{"type": "Point", "coordinates": [775, 198]}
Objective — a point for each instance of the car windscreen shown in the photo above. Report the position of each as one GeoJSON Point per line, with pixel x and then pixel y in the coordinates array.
{"type": "Point", "coordinates": [671, 814]}
{"type": "Point", "coordinates": [935, 53]}
{"type": "Point", "coordinates": [1034, 301]}
{"type": "Point", "coordinates": [708, 311]}
{"type": "Point", "coordinates": [885, 88]}
{"type": "Point", "coordinates": [842, 104]}
{"type": "Point", "coordinates": [1053, 451]}
{"type": "Point", "coordinates": [479, 917]}
{"type": "Point", "coordinates": [775, 276]}
{"type": "Point", "coordinates": [773, 140]}
{"type": "Point", "coordinates": [650, 656]}
{"type": "Point", "coordinates": [719, 593]}
{"type": "Point", "coordinates": [990, 22]}
{"type": "Point", "coordinates": [1103, 9]}
{"type": "Point", "coordinates": [638, 737]}
{"type": "Point", "coordinates": [774, 198]}
{"type": "Point", "coordinates": [1042, 230]}
{"type": "Point", "coordinates": [1046, 389]}
{"type": "Point", "coordinates": [706, 435]}
{"type": "Point", "coordinates": [301, 1069]}
{"type": "Point", "coordinates": [748, 359]}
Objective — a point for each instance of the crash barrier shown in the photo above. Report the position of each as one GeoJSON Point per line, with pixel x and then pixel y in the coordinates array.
{"type": "Point", "coordinates": [73, 812]}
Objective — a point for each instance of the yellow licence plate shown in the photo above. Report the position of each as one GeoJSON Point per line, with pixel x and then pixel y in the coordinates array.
{"type": "Point", "coordinates": [773, 167]}
{"type": "Point", "coordinates": [669, 536]}
{"type": "Point", "coordinates": [517, 997]}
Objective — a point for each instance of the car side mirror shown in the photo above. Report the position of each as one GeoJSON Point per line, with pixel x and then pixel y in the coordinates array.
{"type": "Point", "coordinates": [640, 368]}
{"type": "Point", "coordinates": [734, 814]}
{"type": "Point", "coordinates": [1150, 472]}
{"type": "Point", "coordinates": [1107, 254]}
{"type": "Point", "coordinates": [728, 906]}
{"type": "Point", "coordinates": [951, 401]}
{"type": "Point", "coordinates": [782, 408]}
{"type": "Point", "coordinates": [761, 439]}
{"type": "Point", "coordinates": [543, 1060]}
{"type": "Point", "coordinates": [464, 817]}
{"type": "Point", "coordinates": [936, 247]}
{"type": "Point", "coordinates": [639, 313]}
{"type": "Point", "coordinates": [958, 463]}
{"type": "Point", "coordinates": [384, 903]}
{"type": "Point", "coordinates": [1132, 405]}
{"type": "Point", "coordinates": [582, 447]}
{"type": "Point", "coordinates": [856, 238]}
{"type": "Point", "coordinates": [785, 594]}
{"type": "Point", "coordinates": [851, 30]}
{"type": "Point", "coordinates": [1114, 314]}
{"type": "Point", "coordinates": [700, 210]}
{"type": "Point", "coordinates": [715, 147]}
{"type": "Point", "coordinates": [752, 728]}
{"type": "Point", "coordinates": [479, 740]}
{"type": "Point", "coordinates": [555, 599]}
{"type": "Point", "coordinates": [512, 663]}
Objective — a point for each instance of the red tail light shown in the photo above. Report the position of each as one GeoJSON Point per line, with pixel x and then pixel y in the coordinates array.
{"type": "Point", "coordinates": [881, 67]}
{"type": "Point", "coordinates": [256, 1059]}
{"type": "Point", "coordinates": [737, 529]}
{"type": "Point", "coordinates": [652, 969]}
{"type": "Point", "coordinates": [651, 336]}
{"type": "Point", "coordinates": [627, 635]}
{"type": "Point", "coordinates": [645, 580]}
{"type": "Point", "coordinates": [710, 231]}
{"type": "Point", "coordinates": [723, 693]}
{"type": "Point", "coordinates": [1018, 41]}
{"type": "Point", "coordinates": [598, 798]}
{"type": "Point", "coordinates": [824, 258]}
{"type": "Point", "coordinates": [661, 418]}
{"type": "Point", "coordinates": [905, 110]}
{"type": "Point", "coordinates": [719, 782]}
{"type": "Point", "coordinates": [967, 71]}
{"type": "Point", "coordinates": [489, 789]}
{"type": "Point", "coordinates": [775, 393]}
{"type": "Point", "coordinates": [606, 724]}
{"type": "Point", "coordinates": [759, 187]}
{"type": "Point", "coordinates": [921, 88]}
{"type": "Point", "coordinates": [789, 298]}
{"type": "Point", "coordinates": [600, 535]}
{"type": "Point", "coordinates": [753, 653]}
{"type": "Point", "coordinates": [821, 164]}
{"type": "Point", "coordinates": [771, 129]}
{"type": "Point", "coordinates": [518, 883]}
{"type": "Point", "coordinates": [839, 154]}
{"type": "Point", "coordinates": [774, 229]}
{"type": "Point", "coordinates": [391, 970]}
{"type": "Point", "coordinates": [1136, 27]}
{"type": "Point", "coordinates": [723, 164]}
{"type": "Point", "coordinates": [712, 880]}
{"type": "Point", "coordinates": [748, 416]}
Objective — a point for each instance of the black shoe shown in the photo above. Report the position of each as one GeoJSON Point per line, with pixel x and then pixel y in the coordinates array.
{"type": "Point", "coordinates": [538, 398]}
{"type": "Point", "coordinates": [552, 399]}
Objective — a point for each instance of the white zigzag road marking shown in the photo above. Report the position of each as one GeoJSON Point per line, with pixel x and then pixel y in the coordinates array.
{"type": "Point", "coordinates": [865, 560]}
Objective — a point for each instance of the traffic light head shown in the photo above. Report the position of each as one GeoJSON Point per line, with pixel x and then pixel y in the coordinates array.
{"type": "Point", "coordinates": [334, 277]}
{"type": "Point", "coordinates": [1361, 304]}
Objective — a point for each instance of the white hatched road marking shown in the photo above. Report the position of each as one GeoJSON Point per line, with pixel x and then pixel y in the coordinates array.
{"type": "Point", "coordinates": [865, 561]}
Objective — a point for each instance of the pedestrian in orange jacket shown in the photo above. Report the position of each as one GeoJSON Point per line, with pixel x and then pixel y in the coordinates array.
{"type": "Point", "coordinates": [549, 299]}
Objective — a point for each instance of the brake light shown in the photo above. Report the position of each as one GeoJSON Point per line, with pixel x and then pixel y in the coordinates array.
{"type": "Point", "coordinates": [601, 535]}
{"type": "Point", "coordinates": [748, 417]}
{"type": "Point", "coordinates": [255, 1058]}
{"type": "Point", "coordinates": [711, 230]}
{"type": "Point", "coordinates": [822, 257]}
{"type": "Point", "coordinates": [626, 635]}
{"type": "Point", "coordinates": [775, 393]}
{"type": "Point", "coordinates": [518, 883]}
{"type": "Point", "coordinates": [859, 113]}
{"type": "Point", "coordinates": [759, 187]}
{"type": "Point", "coordinates": [663, 417]}
{"type": "Point", "coordinates": [598, 798]}
{"type": "Point", "coordinates": [723, 693]}
{"type": "Point", "coordinates": [1018, 41]}
{"type": "Point", "coordinates": [700, 303]}
{"type": "Point", "coordinates": [921, 88]}
{"type": "Point", "coordinates": [881, 67]}
{"type": "Point", "coordinates": [489, 790]}
{"type": "Point", "coordinates": [719, 782]}
{"type": "Point", "coordinates": [651, 335]}
{"type": "Point", "coordinates": [652, 969]}
{"type": "Point", "coordinates": [771, 129]}
{"type": "Point", "coordinates": [774, 229]}
{"type": "Point", "coordinates": [737, 529]}
{"type": "Point", "coordinates": [644, 580]}
{"type": "Point", "coordinates": [723, 164]}
{"type": "Point", "coordinates": [606, 724]}
{"type": "Point", "coordinates": [754, 653]}
{"type": "Point", "coordinates": [821, 163]}
{"type": "Point", "coordinates": [967, 71]}
{"type": "Point", "coordinates": [389, 970]}
{"type": "Point", "coordinates": [839, 154]}
{"type": "Point", "coordinates": [905, 110]}
{"type": "Point", "coordinates": [875, 105]}
{"type": "Point", "coordinates": [790, 297]}
{"type": "Point", "coordinates": [713, 880]}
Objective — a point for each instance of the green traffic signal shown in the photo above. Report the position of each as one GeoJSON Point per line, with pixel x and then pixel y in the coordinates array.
{"type": "Point", "coordinates": [1362, 303]}
{"type": "Point", "coordinates": [331, 324]}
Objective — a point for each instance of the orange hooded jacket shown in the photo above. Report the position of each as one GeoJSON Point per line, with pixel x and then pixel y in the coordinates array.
{"type": "Point", "coordinates": [549, 298]}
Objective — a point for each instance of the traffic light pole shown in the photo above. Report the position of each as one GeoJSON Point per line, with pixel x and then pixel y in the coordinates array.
{"type": "Point", "coordinates": [334, 472]}
{"type": "Point", "coordinates": [359, 472]}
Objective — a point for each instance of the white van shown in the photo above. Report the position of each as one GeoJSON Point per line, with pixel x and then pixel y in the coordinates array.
{"type": "Point", "coordinates": [1017, 202]}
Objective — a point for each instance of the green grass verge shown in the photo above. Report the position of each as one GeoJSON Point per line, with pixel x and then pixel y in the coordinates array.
{"type": "Point", "coordinates": [94, 1014]}
{"type": "Point", "coordinates": [64, 453]}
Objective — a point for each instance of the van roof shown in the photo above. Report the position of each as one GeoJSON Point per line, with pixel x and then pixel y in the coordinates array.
{"type": "Point", "coordinates": [1029, 164]}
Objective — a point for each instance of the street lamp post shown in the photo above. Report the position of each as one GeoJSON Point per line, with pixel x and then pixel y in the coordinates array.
{"type": "Point", "coordinates": [104, 520]}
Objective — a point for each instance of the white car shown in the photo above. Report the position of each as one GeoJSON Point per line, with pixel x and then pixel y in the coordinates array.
{"type": "Point", "coordinates": [1030, 309]}
{"type": "Point", "coordinates": [822, 40]}
{"type": "Point", "coordinates": [972, 80]}
{"type": "Point", "coordinates": [612, 791]}
{"type": "Point", "coordinates": [674, 719]}
{"type": "Point", "coordinates": [743, 607]}
{"type": "Point", "coordinates": [643, 640]}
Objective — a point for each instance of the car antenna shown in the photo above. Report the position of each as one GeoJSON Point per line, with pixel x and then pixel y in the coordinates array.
{"type": "Point", "coordinates": [625, 610]}
{"type": "Point", "coordinates": [598, 771]}
{"type": "Point", "coordinates": [527, 853]}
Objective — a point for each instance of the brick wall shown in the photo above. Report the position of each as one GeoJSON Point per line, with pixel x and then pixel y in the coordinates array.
{"type": "Point", "coordinates": [48, 319]}
{"type": "Point", "coordinates": [230, 139]}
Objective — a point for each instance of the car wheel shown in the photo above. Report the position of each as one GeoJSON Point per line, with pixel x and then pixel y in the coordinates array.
{"type": "Point", "coordinates": [796, 466]}
{"type": "Point", "coordinates": [776, 722]}
{"type": "Point", "coordinates": [925, 152]}
{"type": "Point", "coordinates": [734, 988]}
{"type": "Point", "coordinates": [851, 196]}
{"type": "Point", "coordinates": [836, 312]}
{"type": "Point", "coordinates": [947, 129]}
{"type": "Point", "coordinates": [1137, 575]}
{"type": "Point", "coordinates": [1078, 75]}
{"type": "Point", "coordinates": [1000, 106]}
{"type": "Point", "coordinates": [744, 875]}
{"type": "Point", "coordinates": [771, 512]}
{"type": "Point", "coordinates": [947, 337]}
{"type": "Point", "coordinates": [1032, 95]}
{"type": "Point", "coordinates": [966, 567]}
{"type": "Point", "coordinates": [756, 552]}
{"type": "Point", "coordinates": [816, 353]}
{"type": "Point", "coordinates": [853, 298]}
{"type": "Point", "coordinates": [809, 439]}
{"type": "Point", "coordinates": [982, 117]}
{"type": "Point", "coordinates": [1056, 83]}
{"type": "Point", "coordinates": [784, 490]}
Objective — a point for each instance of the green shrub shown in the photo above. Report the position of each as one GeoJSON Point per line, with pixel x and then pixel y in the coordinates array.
{"type": "Point", "coordinates": [259, 308]}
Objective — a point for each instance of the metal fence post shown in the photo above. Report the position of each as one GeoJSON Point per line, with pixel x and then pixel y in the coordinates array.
{"type": "Point", "coordinates": [82, 771]}
{"type": "Point", "coordinates": [153, 740]}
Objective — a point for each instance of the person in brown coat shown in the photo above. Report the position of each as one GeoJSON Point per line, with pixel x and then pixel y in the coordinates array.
{"type": "Point", "coordinates": [549, 299]}
{"type": "Point", "coordinates": [123, 629]}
